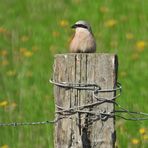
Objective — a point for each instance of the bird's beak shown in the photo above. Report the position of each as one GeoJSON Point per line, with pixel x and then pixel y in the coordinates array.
{"type": "Point", "coordinates": [73, 26]}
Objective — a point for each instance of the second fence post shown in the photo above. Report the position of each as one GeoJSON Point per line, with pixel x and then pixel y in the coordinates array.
{"type": "Point", "coordinates": [81, 125]}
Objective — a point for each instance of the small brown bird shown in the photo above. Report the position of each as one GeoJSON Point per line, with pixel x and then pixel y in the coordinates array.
{"type": "Point", "coordinates": [83, 40]}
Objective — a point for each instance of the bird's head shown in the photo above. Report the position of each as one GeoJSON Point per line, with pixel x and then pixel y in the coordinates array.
{"type": "Point", "coordinates": [82, 24]}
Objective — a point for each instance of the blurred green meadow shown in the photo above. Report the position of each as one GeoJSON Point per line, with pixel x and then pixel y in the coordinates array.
{"type": "Point", "coordinates": [32, 31]}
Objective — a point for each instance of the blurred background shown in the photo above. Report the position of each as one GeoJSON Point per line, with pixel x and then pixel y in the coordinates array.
{"type": "Point", "coordinates": [33, 31]}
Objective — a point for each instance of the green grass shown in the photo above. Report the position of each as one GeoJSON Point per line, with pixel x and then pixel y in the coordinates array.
{"type": "Point", "coordinates": [32, 31]}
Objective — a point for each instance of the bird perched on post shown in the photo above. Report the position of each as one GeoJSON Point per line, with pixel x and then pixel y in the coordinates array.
{"type": "Point", "coordinates": [83, 40]}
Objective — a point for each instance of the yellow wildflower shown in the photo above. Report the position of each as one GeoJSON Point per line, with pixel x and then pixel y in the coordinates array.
{"type": "Point", "coordinates": [135, 141]}
{"type": "Point", "coordinates": [11, 73]}
{"type": "Point", "coordinates": [129, 36]}
{"type": "Point", "coordinates": [63, 23]}
{"type": "Point", "coordinates": [4, 146]}
{"type": "Point", "coordinates": [110, 23]}
{"type": "Point", "coordinates": [104, 9]}
{"type": "Point", "coordinates": [4, 53]}
{"type": "Point", "coordinates": [142, 131]}
{"type": "Point", "coordinates": [3, 103]}
{"type": "Point", "coordinates": [145, 137]}
{"type": "Point", "coordinates": [28, 54]}
{"type": "Point", "coordinates": [140, 45]}
{"type": "Point", "coordinates": [24, 38]}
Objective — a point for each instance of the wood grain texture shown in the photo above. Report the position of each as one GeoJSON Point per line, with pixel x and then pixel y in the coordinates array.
{"type": "Point", "coordinates": [78, 131]}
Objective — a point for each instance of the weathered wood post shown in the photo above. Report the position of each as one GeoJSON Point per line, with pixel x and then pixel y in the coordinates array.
{"type": "Point", "coordinates": [80, 127]}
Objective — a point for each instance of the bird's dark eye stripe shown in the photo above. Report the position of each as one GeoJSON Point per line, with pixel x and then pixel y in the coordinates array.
{"type": "Point", "coordinates": [81, 25]}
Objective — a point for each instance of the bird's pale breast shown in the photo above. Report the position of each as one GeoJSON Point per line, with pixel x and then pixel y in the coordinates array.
{"type": "Point", "coordinates": [83, 41]}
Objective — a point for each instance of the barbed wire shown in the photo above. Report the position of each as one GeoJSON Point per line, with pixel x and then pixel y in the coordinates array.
{"type": "Point", "coordinates": [25, 123]}
{"type": "Point", "coordinates": [96, 89]}
{"type": "Point", "coordinates": [99, 115]}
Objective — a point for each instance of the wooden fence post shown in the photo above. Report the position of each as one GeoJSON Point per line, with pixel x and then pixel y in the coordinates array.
{"type": "Point", "coordinates": [78, 130]}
